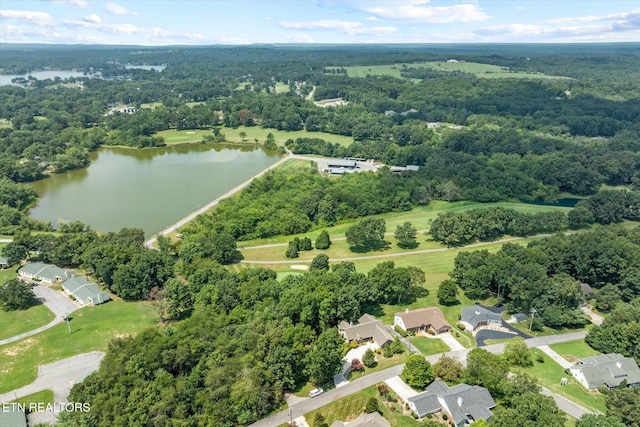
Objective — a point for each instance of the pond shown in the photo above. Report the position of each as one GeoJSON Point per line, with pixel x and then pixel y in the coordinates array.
{"type": "Point", "coordinates": [148, 188]}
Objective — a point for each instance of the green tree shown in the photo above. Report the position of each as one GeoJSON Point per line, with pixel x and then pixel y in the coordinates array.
{"type": "Point", "coordinates": [369, 358]}
{"type": "Point", "coordinates": [448, 292]}
{"type": "Point", "coordinates": [624, 403]}
{"type": "Point", "coordinates": [243, 135]}
{"type": "Point", "coordinates": [597, 420]}
{"type": "Point", "coordinates": [318, 420]}
{"type": "Point", "coordinates": [579, 217]}
{"type": "Point", "coordinates": [16, 295]}
{"type": "Point", "coordinates": [485, 369]}
{"type": "Point", "coordinates": [417, 372]}
{"type": "Point", "coordinates": [323, 241]}
{"type": "Point", "coordinates": [224, 249]}
{"type": "Point", "coordinates": [529, 410]}
{"type": "Point", "coordinates": [320, 262]}
{"type": "Point", "coordinates": [406, 235]}
{"type": "Point", "coordinates": [367, 234]}
{"type": "Point", "coordinates": [448, 369]}
{"type": "Point", "coordinates": [292, 250]}
{"type": "Point", "coordinates": [372, 405]}
{"type": "Point", "coordinates": [516, 384]}
{"type": "Point", "coordinates": [305, 244]}
{"type": "Point", "coordinates": [325, 357]}
{"type": "Point", "coordinates": [516, 353]}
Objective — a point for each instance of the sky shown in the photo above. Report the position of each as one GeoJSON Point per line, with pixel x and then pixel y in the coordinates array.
{"type": "Point", "coordinates": [233, 22]}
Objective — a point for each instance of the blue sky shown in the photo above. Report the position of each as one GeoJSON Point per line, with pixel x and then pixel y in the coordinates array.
{"type": "Point", "coordinates": [205, 22]}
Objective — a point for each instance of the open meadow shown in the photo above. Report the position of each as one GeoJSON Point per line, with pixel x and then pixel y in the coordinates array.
{"type": "Point", "coordinates": [475, 68]}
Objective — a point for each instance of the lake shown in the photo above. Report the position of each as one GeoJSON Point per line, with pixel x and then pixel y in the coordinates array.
{"type": "Point", "coordinates": [148, 188]}
{"type": "Point", "coordinates": [5, 79]}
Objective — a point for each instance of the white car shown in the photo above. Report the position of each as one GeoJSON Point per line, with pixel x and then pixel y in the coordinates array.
{"type": "Point", "coordinates": [316, 392]}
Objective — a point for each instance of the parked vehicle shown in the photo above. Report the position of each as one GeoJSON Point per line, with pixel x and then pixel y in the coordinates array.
{"type": "Point", "coordinates": [316, 392]}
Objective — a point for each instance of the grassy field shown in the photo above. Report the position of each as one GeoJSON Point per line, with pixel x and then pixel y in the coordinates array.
{"type": "Point", "coordinates": [350, 407]}
{"type": "Point", "coordinates": [92, 329]}
{"type": "Point", "coordinates": [151, 105]}
{"type": "Point", "coordinates": [21, 321]}
{"type": "Point", "coordinates": [428, 346]}
{"type": "Point", "coordinates": [574, 350]}
{"type": "Point", "coordinates": [44, 396]}
{"type": "Point", "coordinates": [478, 69]}
{"type": "Point", "coordinates": [174, 136]}
{"type": "Point", "coordinates": [282, 87]}
{"type": "Point", "coordinates": [549, 374]}
{"type": "Point", "coordinates": [4, 123]}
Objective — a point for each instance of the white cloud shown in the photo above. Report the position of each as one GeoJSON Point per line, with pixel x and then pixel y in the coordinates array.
{"type": "Point", "coordinates": [93, 18]}
{"type": "Point", "coordinates": [39, 19]}
{"type": "Point", "coordinates": [78, 3]}
{"type": "Point", "coordinates": [419, 11]}
{"type": "Point", "coordinates": [116, 9]}
{"type": "Point", "coordinates": [346, 27]}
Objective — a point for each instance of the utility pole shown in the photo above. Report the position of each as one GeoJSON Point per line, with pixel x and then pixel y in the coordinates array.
{"type": "Point", "coordinates": [290, 416]}
{"type": "Point", "coordinates": [533, 313]}
{"type": "Point", "coordinates": [66, 317]}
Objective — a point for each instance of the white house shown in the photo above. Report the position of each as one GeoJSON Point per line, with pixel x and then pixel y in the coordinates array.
{"type": "Point", "coordinates": [607, 370]}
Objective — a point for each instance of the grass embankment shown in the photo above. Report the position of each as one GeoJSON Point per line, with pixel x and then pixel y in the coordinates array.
{"type": "Point", "coordinates": [549, 374]}
{"type": "Point", "coordinates": [20, 321]}
{"type": "Point", "coordinates": [352, 407]}
{"type": "Point", "coordinates": [41, 397]}
{"type": "Point", "coordinates": [92, 328]}
{"type": "Point", "coordinates": [174, 136]}
{"type": "Point", "coordinates": [475, 68]}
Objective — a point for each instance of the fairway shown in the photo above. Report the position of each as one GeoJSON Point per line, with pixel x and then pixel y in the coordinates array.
{"type": "Point", "coordinates": [475, 68]}
{"type": "Point", "coordinates": [184, 136]}
{"type": "Point", "coordinates": [92, 328]}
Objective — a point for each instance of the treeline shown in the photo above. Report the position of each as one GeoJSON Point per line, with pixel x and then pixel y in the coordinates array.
{"type": "Point", "coordinates": [620, 333]}
{"type": "Point", "coordinates": [249, 340]}
{"type": "Point", "coordinates": [454, 229]}
{"type": "Point", "coordinates": [284, 202]}
{"type": "Point", "coordinates": [546, 275]}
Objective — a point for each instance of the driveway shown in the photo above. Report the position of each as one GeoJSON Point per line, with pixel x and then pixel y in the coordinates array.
{"type": "Point", "coordinates": [58, 376]}
{"type": "Point", "coordinates": [449, 340]}
{"type": "Point", "coordinates": [55, 301]}
{"type": "Point", "coordinates": [491, 334]}
{"type": "Point", "coordinates": [400, 388]}
{"type": "Point", "coordinates": [556, 357]}
{"type": "Point", "coordinates": [596, 319]}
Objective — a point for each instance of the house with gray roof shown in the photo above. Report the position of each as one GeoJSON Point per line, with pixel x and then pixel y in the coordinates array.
{"type": "Point", "coordinates": [44, 272]}
{"type": "Point", "coordinates": [4, 263]}
{"type": "Point", "coordinates": [85, 292]}
{"type": "Point", "coordinates": [368, 328]}
{"type": "Point", "coordinates": [429, 318]}
{"type": "Point", "coordinates": [476, 316]}
{"type": "Point", "coordinates": [608, 370]}
{"type": "Point", "coordinates": [463, 403]}
{"type": "Point", "coordinates": [12, 415]}
{"type": "Point", "coordinates": [373, 419]}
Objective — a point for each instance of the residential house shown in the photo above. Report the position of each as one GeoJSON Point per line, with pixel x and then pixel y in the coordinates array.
{"type": "Point", "coordinates": [463, 403]}
{"type": "Point", "coordinates": [518, 317]}
{"type": "Point", "coordinates": [12, 415]}
{"type": "Point", "coordinates": [85, 292]}
{"type": "Point", "coordinates": [4, 263]}
{"type": "Point", "coordinates": [476, 317]}
{"type": "Point", "coordinates": [368, 328]}
{"type": "Point", "coordinates": [607, 370]}
{"type": "Point", "coordinates": [422, 319]}
{"type": "Point", "coordinates": [43, 272]}
{"type": "Point", "coordinates": [337, 163]}
{"type": "Point", "coordinates": [373, 419]}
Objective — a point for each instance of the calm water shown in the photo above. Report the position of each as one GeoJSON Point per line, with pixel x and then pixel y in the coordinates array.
{"type": "Point", "coordinates": [148, 189]}
{"type": "Point", "coordinates": [42, 75]}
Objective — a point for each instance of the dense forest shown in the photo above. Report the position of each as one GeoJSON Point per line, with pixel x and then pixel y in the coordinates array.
{"type": "Point", "coordinates": [232, 343]}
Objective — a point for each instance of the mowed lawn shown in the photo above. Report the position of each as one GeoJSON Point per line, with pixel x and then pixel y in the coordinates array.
{"type": "Point", "coordinates": [352, 406]}
{"type": "Point", "coordinates": [549, 374]}
{"type": "Point", "coordinates": [183, 136]}
{"type": "Point", "coordinates": [16, 322]}
{"type": "Point", "coordinates": [428, 346]}
{"type": "Point", "coordinates": [92, 328]}
{"type": "Point", "coordinates": [574, 350]}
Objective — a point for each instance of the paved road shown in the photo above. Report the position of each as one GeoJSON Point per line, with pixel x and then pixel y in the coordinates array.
{"type": "Point", "coordinates": [567, 406]}
{"type": "Point", "coordinates": [55, 301]}
{"type": "Point", "coordinates": [372, 379]}
{"type": "Point", "coordinates": [58, 376]}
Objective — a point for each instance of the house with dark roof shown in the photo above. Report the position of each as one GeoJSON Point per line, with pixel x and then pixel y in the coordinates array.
{"type": "Point", "coordinates": [85, 292]}
{"type": "Point", "coordinates": [373, 419]}
{"type": "Point", "coordinates": [476, 317]}
{"type": "Point", "coordinates": [337, 163]}
{"type": "Point", "coordinates": [518, 317]}
{"type": "Point", "coordinates": [608, 370]}
{"type": "Point", "coordinates": [43, 272]}
{"type": "Point", "coordinates": [422, 319]}
{"type": "Point", "coordinates": [368, 328]}
{"type": "Point", "coordinates": [463, 403]}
